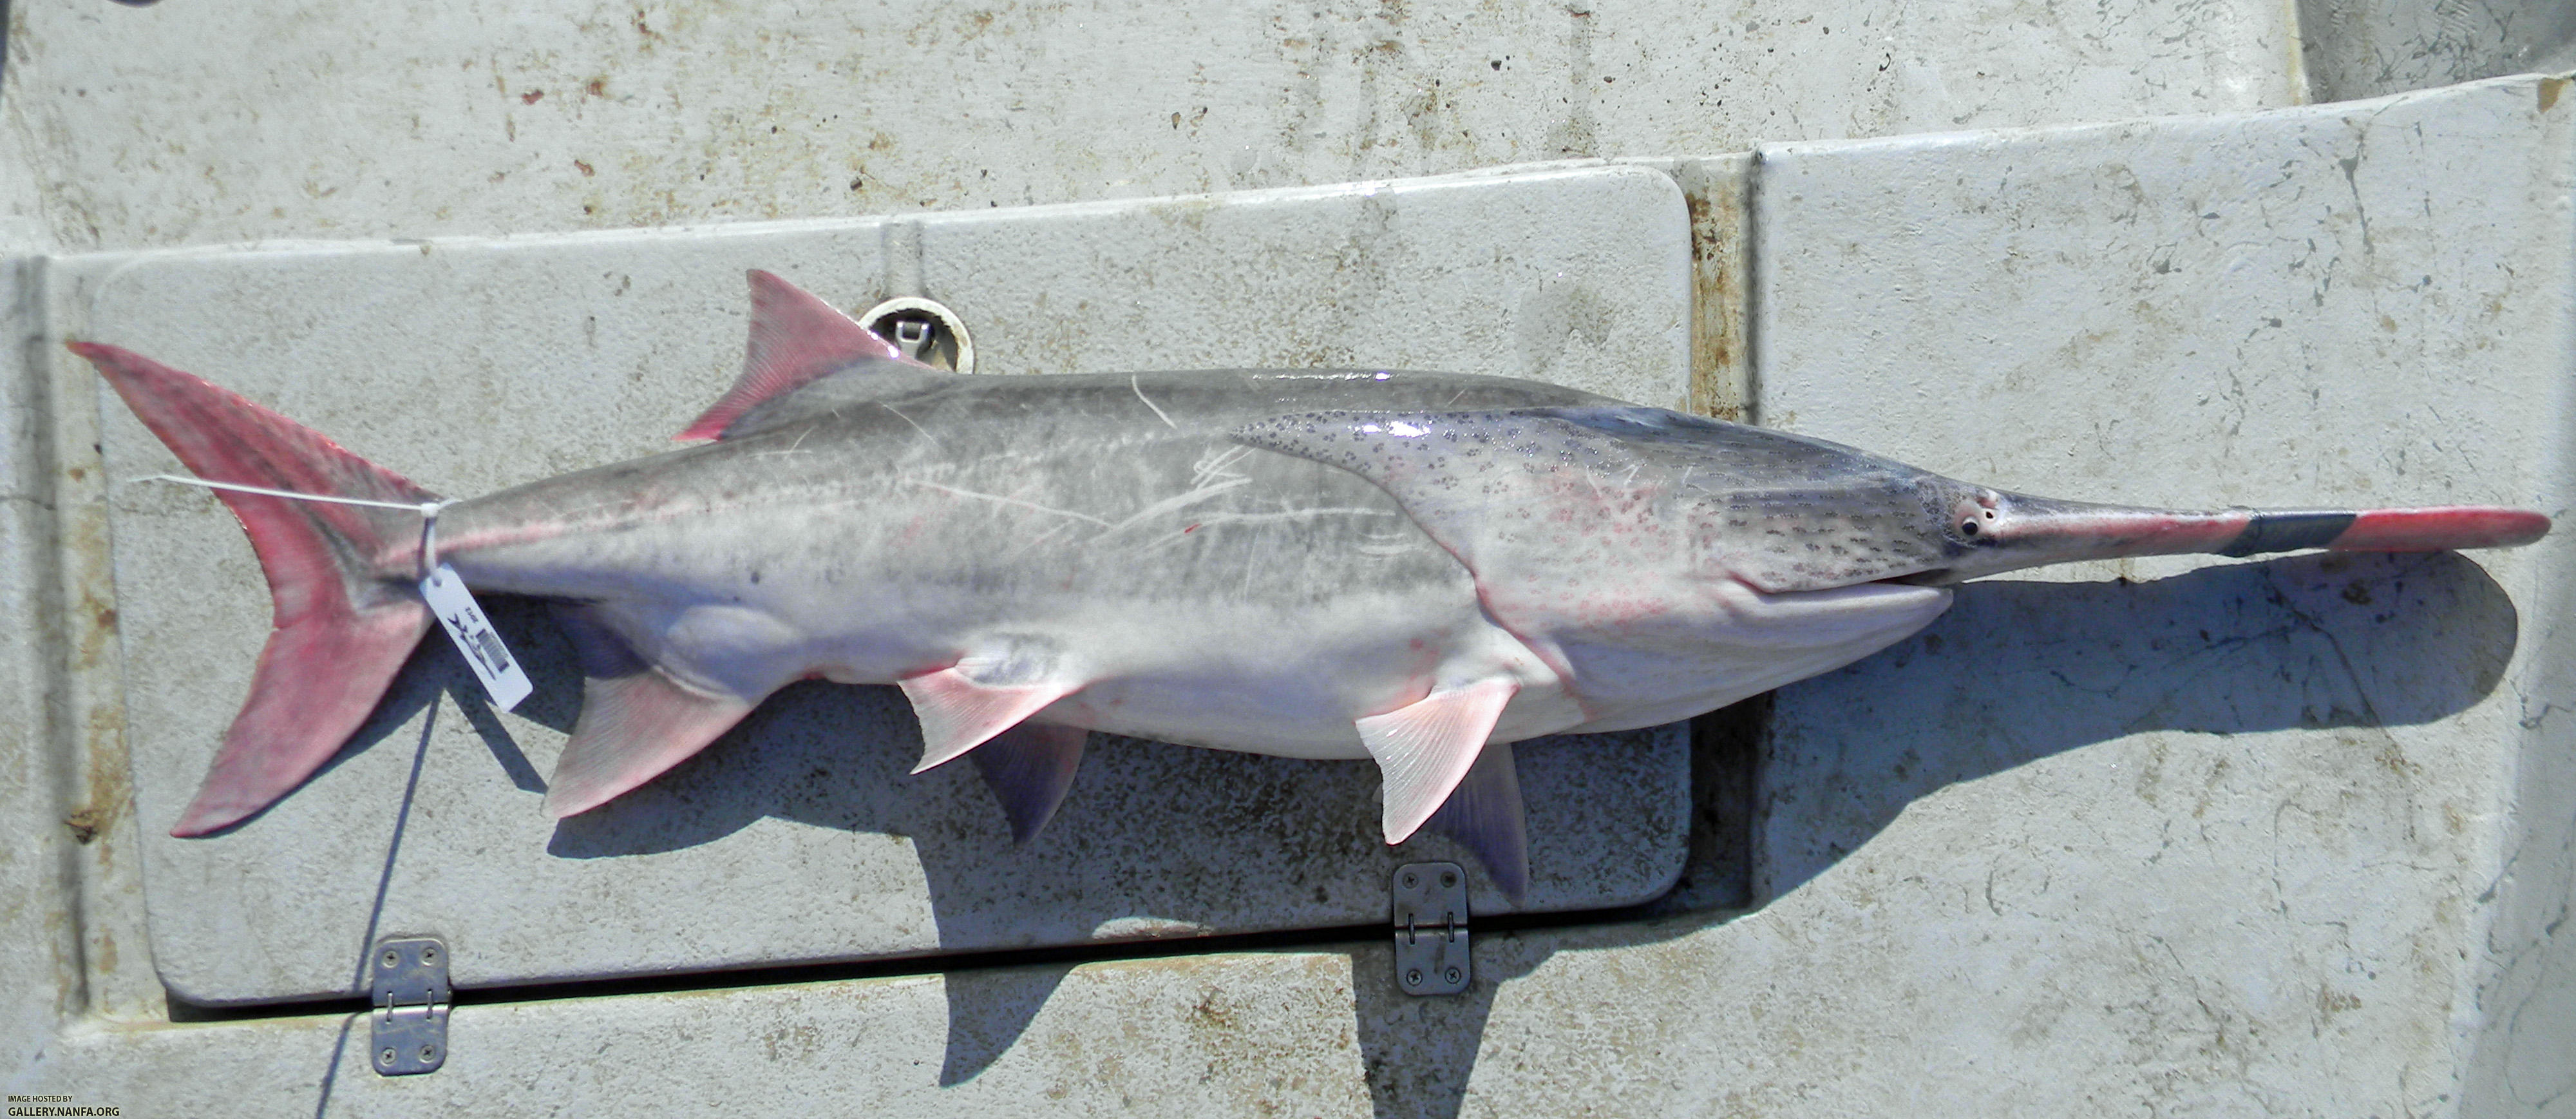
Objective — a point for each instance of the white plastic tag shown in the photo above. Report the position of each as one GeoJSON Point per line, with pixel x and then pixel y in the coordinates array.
{"type": "Point", "coordinates": [473, 635]}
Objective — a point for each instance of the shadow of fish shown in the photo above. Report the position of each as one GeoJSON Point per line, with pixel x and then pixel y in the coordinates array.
{"type": "Point", "coordinates": [1415, 568]}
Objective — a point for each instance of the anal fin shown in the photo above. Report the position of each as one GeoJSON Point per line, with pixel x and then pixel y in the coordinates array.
{"type": "Point", "coordinates": [1030, 767]}
{"type": "Point", "coordinates": [1484, 815]}
{"type": "Point", "coordinates": [1425, 749]}
{"type": "Point", "coordinates": [635, 721]}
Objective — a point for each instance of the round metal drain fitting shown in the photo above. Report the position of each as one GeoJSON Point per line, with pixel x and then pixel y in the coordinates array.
{"type": "Point", "coordinates": [925, 330]}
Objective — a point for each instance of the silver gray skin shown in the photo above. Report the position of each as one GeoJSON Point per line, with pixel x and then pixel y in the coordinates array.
{"type": "Point", "coordinates": [1417, 568]}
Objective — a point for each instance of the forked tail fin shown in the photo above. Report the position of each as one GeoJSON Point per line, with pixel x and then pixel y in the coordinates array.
{"type": "Point", "coordinates": [339, 576]}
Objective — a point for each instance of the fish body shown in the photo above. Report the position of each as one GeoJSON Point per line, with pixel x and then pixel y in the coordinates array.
{"type": "Point", "coordinates": [1415, 568]}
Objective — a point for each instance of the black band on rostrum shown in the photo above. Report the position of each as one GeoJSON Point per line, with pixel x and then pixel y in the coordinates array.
{"type": "Point", "coordinates": [2288, 532]}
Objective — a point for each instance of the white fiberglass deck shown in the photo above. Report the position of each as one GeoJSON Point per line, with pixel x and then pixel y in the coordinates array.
{"type": "Point", "coordinates": [799, 837]}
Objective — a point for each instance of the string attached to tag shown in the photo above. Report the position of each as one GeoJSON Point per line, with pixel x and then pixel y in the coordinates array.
{"type": "Point", "coordinates": [449, 601]}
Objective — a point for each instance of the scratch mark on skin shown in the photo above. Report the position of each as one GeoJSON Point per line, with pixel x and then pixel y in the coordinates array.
{"type": "Point", "coordinates": [1287, 515]}
{"type": "Point", "coordinates": [1381, 545]}
{"type": "Point", "coordinates": [1139, 390]}
{"type": "Point", "coordinates": [1179, 501]}
{"type": "Point", "coordinates": [1213, 520]}
{"type": "Point", "coordinates": [1031, 506]}
{"type": "Point", "coordinates": [800, 442]}
{"type": "Point", "coordinates": [1040, 540]}
{"type": "Point", "coordinates": [1216, 463]}
{"type": "Point", "coordinates": [898, 414]}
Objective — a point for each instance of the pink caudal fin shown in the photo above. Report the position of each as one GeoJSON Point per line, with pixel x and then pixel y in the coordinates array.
{"type": "Point", "coordinates": [796, 340]}
{"type": "Point", "coordinates": [338, 578]}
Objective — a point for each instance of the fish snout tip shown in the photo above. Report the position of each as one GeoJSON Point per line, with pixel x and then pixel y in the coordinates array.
{"type": "Point", "coordinates": [2442, 529]}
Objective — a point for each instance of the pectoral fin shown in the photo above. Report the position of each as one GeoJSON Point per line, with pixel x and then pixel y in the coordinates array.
{"type": "Point", "coordinates": [1030, 767]}
{"type": "Point", "coordinates": [1425, 749]}
{"type": "Point", "coordinates": [1484, 815]}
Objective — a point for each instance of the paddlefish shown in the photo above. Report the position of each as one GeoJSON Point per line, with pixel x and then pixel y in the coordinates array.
{"type": "Point", "coordinates": [1414, 568]}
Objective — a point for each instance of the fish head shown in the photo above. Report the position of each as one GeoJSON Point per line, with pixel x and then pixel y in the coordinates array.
{"type": "Point", "coordinates": [1983, 531]}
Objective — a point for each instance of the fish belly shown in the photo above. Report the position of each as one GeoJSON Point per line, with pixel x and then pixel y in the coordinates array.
{"type": "Point", "coordinates": [1738, 642]}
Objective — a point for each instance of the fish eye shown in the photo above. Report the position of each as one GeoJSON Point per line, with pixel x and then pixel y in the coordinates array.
{"type": "Point", "coordinates": [1975, 517]}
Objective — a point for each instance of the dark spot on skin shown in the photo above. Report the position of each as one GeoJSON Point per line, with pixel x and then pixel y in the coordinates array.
{"type": "Point", "coordinates": [755, 578]}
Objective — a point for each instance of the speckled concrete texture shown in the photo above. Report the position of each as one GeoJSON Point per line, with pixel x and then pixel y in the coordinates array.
{"type": "Point", "coordinates": [2235, 826]}
{"type": "Point", "coordinates": [193, 124]}
{"type": "Point", "coordinates": [2369, 48]}
{"type": "Point", "coordinates": [2289, 837]}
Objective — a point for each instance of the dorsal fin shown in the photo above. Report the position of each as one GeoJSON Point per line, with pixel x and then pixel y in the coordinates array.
{"type": "Point", "coordinates": [796, 340]}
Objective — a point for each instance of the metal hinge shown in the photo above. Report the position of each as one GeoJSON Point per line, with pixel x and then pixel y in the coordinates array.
{"type": "Point", "coordinates": [1430, 928]}
{"type": "Point", "coordinates": [411, 997]}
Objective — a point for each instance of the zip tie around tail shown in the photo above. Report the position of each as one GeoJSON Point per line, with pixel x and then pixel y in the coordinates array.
{"type": "Point", "coordinates": [449, 601]}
